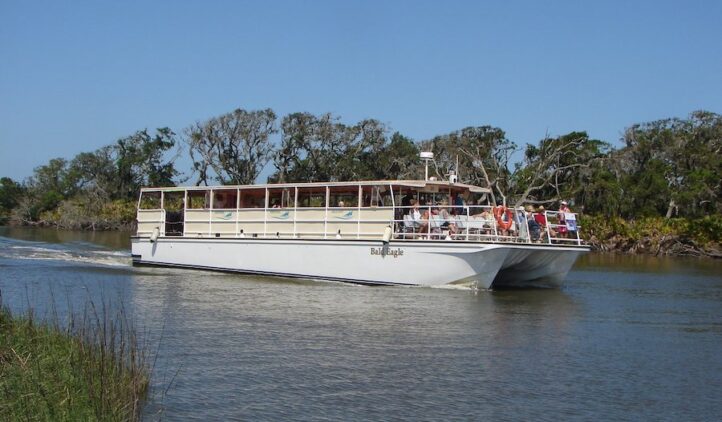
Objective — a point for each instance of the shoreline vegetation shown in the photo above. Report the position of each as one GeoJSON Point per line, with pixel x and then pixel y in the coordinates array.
{"type": "Point", "coordinates": [92, 367]}
{"type": "Point", "coordinates": [654, 236]}
{"type": "Point", "coordinates": [658, 193]}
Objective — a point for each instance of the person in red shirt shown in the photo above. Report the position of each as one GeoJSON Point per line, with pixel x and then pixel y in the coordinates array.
{"type": "Point", "coordinates": [541, 219]}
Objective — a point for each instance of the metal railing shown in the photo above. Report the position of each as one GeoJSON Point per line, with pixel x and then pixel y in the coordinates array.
{"type": "Point", "coordinates": [481, 223]}
{"type": "Point", "coordinates": [427, 222]}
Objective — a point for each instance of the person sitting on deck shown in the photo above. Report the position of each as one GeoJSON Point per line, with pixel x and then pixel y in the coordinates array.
{"type": "Point", "coordinates": [460, 204]}
{"type": "Point", "coordinates": [541, 219]}
{"type": "Point", "coordinates": [412, 220]}
{"type": "Point", "coordinates": [534, 227]}
{"type": "Point", "coordinates": [487, 221]}
{"type": "Point", "coordinates": [415, 212]}
{"type": "Point", "coordinates": [423, 221]}
{"type": "Point", "coordinates": [447, 222]}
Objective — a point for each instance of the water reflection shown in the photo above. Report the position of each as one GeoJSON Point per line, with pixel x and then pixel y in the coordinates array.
{"type": "Point", "coordinates": [645, 263]}
{"type": "Point", "coordinates": [273, 338]}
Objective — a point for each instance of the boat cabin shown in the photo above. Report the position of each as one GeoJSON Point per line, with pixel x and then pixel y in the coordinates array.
{"type": "Point", "coordinates": [412, 209]}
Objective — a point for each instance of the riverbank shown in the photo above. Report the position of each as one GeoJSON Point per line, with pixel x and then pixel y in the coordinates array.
{"type": "Point", "coordinates": [94, 370]}
{"type": "Point", "coordinates": [655, 236]}
{"type": "Point", "coordinates": [84, 214]}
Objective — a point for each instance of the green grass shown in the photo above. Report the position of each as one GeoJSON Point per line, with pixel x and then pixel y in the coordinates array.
{"type": "Point", "coordinates": [93, 370]}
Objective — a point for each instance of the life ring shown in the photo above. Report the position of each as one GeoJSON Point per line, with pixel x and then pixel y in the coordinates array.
{"type": "Point", "coordinates": [499, 212]}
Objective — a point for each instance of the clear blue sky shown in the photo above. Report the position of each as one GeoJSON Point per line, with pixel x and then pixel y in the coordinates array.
{"type": "Point", "coordinates": [75, 76]}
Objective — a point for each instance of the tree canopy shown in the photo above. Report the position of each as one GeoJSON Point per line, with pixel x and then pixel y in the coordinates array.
{"type": "Point", "coordinates": [670, 167]}
{"type": "Point", "coordinates": [232, 148]}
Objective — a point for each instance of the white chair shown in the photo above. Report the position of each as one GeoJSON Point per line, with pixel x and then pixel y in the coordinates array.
{"type": "Point", "coordinates": [476, 225]}
{"type": "Point", "coordinates": [409, 225]}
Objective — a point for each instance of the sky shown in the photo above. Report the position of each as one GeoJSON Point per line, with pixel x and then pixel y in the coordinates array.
{"type": "Point", "coordinates": [75, 76]}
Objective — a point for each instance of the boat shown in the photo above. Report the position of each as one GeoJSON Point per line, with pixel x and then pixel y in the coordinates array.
{"type": "Point", "coordinates": [386, 232]}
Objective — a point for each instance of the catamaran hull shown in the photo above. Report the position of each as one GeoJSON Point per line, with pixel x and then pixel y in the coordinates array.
{"type": "Point", "coordinates": [369, 262]}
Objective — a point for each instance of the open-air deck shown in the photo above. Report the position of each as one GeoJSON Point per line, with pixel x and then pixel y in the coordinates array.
{"type": "Point", "coordinates": [413, 210]}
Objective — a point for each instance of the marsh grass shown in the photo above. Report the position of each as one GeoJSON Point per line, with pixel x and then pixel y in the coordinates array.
{"type": "Point", "coordinates": [92, 366]}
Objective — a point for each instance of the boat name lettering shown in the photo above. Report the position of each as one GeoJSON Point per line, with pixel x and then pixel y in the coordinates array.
{"type": "Point", "coordinates": [386, 251]}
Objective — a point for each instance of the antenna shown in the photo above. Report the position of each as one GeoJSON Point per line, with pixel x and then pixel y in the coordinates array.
{"type": "Point", "coordinates": [426, 156]}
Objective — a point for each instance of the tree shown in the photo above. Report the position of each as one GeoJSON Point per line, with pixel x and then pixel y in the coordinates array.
{"type": "Point", "coordinates": [479, 154]}
{"type": "Point", "coordinates": [295, 129]}
{"type": "Point", "coordinates": [139, 161]}
{"type": "Point", "coordinates": [50, 184]}
{"type": "Point", "coordinates": [321, 148]}
{"type": "Point", "coordinates": [558, 168]}
{"type": "Point", "coordinates": [96, 171]}
{"type": "Point", "coordinates": [398, 159]}
{"type": "Point", "coordinates": [681, 159]}
{"type": "Point", "coordinates": [234, 146]}
{"type": "Point", "coordinates": [11, 193]}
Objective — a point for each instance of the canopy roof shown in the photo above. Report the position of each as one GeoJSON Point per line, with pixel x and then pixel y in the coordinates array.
{"type": "Point", "coordinates": [418, 184]}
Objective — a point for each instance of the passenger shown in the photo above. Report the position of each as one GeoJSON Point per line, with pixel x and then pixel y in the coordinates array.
{"type": "Point", "coordinates": [562, 229]}
{"type": "Point", "coordinates": [411, 218]}
{"type": "Point", "coordinates": [534, 228]}
{"type": "Point", "coordinates": [487, 221]}
{"type": "Point", "coordinates": [447, 220]}
{"type": "Point", "coordinates": [424, 220]}
{"type": "Point", "coordinates": [460, 204]}
{"type": "Point", "coordinates": [341, 204]}
{"type": "Point", "coordinates": [415, 211]}
{"type": "Point", "coordinates": [520, 221]}
{"type": "Point", "coordinates": [541, 219]}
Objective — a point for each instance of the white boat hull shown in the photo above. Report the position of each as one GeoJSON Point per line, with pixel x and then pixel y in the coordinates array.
{"type": "Point", "coordinates": [413, 262]}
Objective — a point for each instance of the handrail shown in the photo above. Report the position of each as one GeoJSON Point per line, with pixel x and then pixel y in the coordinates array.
{"type": "Point", "coordinates": [433, 222]}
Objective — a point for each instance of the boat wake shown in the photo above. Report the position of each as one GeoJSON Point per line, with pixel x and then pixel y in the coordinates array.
{"type": "Point", "coordinates": [466, 287]}
{"type": "Point", "coordinates": [76, 252]}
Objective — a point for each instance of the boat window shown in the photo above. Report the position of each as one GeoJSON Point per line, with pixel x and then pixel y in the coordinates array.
{"type": "Point", "coordinates": [173, 201]}
{"type": "Point", "coordinates": [281, 197]}
{"type": "Point", "coordinates": [253, 198]}
{"type": "Point", "coordinates": [199, 199]}
{"type": "Point", "coordinates": [343, 196]}
{"type": "Point", "coordinates": [376, 196]}
{"type": "Point", "coordinates": [225, 199]}
{"type": "Point", "coordinates": [174, 211]}
{"type": "Point", "coordinates": [404, 195]}
{"type": "Point", "coordinates": [312, 197]}
{"type": "Point", "coordinates": [478, 199]}
{"type": "Point", "coordinates": [150, 201]}
{"type": "Point", "coordinates": [434, 198]}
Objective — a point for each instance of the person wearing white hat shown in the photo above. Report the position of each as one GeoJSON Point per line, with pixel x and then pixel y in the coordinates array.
{"type": "Point", "coordinates": [520, 222]}
{"type": "Point", "coordinates": [562, 229]}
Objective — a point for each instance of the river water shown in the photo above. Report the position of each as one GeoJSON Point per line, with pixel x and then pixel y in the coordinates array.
{"type": "Point", "coordinates": [626, 338]}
